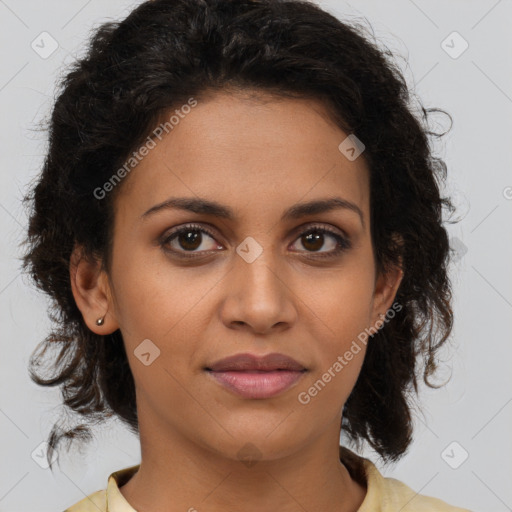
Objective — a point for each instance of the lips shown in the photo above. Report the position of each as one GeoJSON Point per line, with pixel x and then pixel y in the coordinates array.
{"type": "Point", "coordinates": [245, 362]}
{"type": "Point", "coordinates": [256, 377]}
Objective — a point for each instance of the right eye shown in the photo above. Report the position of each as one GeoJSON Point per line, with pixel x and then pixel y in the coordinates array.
{"type": "Point", "coordinates": [185, 241]}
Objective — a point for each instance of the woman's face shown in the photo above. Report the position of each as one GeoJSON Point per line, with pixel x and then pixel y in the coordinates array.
{"type": "Point", "coordinates": [259, 282]}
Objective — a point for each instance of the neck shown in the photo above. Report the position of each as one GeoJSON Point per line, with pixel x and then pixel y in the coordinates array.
{"type": "Point", "coordinates": [177, 474]}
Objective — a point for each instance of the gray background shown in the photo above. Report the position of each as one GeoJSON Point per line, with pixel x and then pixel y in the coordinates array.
{"type": "Point", "coordinates": [474, 410]}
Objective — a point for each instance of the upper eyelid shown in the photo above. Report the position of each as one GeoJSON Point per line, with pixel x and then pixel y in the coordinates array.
{"type": "Point", "coordinates": [210, 230]}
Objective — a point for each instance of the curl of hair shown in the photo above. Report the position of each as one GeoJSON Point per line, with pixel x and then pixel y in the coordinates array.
{"type": "Point", "coordinates": [167, 51]}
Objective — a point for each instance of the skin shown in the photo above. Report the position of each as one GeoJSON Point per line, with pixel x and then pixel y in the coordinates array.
{"type": "Point", "coordinates": [259, 156]}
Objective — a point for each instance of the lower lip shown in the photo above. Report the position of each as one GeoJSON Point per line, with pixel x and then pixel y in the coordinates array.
{"type": "Point", "coordinates": [257, 384]}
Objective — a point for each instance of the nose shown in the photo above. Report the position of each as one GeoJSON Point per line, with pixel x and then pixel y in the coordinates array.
{"type": "Point", "coordinates": [258, 297]}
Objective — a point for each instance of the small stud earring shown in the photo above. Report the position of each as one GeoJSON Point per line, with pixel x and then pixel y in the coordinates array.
{"type": "Point", "coordinates": [100, 321]}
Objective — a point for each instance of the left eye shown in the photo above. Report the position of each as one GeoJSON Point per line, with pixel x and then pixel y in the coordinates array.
{"type": "Point", "coordinates": [189, 239]}
{"type": "Point", "coordinates": [314, 239]}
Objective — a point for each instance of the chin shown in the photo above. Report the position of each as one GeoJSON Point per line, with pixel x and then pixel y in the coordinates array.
{"type": "Point", "coordinates": [256, 444]}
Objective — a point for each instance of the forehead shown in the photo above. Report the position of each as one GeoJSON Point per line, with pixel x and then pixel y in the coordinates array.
{"type": "Point", "coordinates": [252, 151]}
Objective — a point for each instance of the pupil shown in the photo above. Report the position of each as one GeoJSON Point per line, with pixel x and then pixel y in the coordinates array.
{"type": "Point", "coordinates": [315, 240]}
{"type": "Point", "coordinates": [190, 240]}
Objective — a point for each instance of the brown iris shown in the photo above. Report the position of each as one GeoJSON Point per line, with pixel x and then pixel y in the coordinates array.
{"type": "Point", "coordinates": [190, 240]}
{"type": "Point", "coordinates": [313, 241]}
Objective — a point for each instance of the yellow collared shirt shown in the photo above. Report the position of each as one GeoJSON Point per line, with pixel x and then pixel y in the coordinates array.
{"type": "Point", "coordinates": [383, 494]}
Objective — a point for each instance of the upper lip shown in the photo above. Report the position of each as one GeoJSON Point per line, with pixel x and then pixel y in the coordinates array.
{"type": "Point", "coordinates": [269, 362]}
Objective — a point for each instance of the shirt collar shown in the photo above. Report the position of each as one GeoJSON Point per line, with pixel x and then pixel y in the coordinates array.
{"type": "Point", "coordinates": [116, 502]}
{"type": "Point", "coordinates": [361, 469]}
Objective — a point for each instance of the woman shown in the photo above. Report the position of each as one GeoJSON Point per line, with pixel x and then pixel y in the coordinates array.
{"type": "Point", "coordinates": [240, 224]}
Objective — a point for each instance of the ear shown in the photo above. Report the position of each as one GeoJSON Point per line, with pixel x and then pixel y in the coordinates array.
{"type": "Point", "coordinates": [386, 287]}
{"type": "Point", "coordinates": [92, 293]}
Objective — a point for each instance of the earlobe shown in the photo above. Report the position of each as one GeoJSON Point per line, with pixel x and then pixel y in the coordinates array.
{"type": "Point", "coordinates": [91, 290]}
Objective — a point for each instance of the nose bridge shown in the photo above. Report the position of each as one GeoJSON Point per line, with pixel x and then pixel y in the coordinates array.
{"type": "Point", "coordinates": [257, 294]}
{"type": "Point", "coordinates": [257, 264]}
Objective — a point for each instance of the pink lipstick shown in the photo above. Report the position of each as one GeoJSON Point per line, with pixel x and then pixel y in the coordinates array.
{"type": "Point", "coordinates": [257, 377]}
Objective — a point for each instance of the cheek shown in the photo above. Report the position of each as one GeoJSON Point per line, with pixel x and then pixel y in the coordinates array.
{"type": "Point", "coordinates": [342, 307]}
{"type": "Point", "coordinates": [339, 355]}
{"type": "Point", "coordinates": [152, 296]}
{"type": "Point", "coordinates": [169, 307]}
{"type": "Point", "coordinates": [343, 300]}
{"type": "Point", "coordinates": [326, 392]}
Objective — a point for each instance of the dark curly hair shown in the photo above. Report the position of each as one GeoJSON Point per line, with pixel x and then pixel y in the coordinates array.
{"type": "Point", "coordinates": [167, 51]}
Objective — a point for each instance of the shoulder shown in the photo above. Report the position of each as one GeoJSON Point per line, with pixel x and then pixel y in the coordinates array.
{"type": "Point", "coordinates": [109, 499]}
{"type": "Point", "coordinates": [399, 496]}
{"type": "Point", "coordinates": [384, 494]}
{"type": "Point", "coordinates": [95, 502]}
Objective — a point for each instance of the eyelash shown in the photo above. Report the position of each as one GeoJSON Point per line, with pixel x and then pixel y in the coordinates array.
{"type": "Point", "coordinates": [343, 243]}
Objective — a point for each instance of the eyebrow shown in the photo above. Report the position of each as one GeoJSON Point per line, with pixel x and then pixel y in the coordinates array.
{"type": "Point", "coordinates": [207, 207]}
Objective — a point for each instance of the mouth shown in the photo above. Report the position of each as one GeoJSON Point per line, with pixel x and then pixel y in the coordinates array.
{"type": "Point", "coordinates": [255, 377]}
